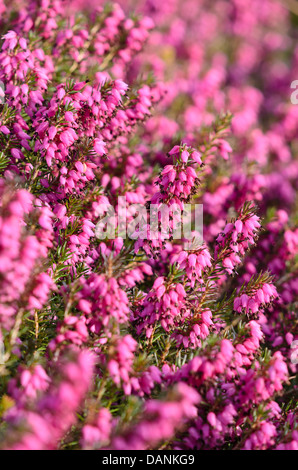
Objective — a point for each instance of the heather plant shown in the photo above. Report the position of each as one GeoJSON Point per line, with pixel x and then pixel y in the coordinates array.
{"type": "Point", "coordinates": [148, 342]}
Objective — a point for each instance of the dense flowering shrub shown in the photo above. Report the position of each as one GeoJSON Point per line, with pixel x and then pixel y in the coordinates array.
{"type": "Point", "coordinates": [145, 342]}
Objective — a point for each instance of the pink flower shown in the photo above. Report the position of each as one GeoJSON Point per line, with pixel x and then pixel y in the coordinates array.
{"type": "Point", "coordinates": [99, 146]}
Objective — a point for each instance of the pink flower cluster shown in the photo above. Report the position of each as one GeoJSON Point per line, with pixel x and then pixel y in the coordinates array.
{"type": "Point", "coordinates": [24, 285]}
{"type": "Point", "coordinates": [158, 340]}
{"type": "Point", "coordinates": [236, 238]}
{"type": "Point", "coordinates": [160, 420]}
{"type": "Point", "coordinates": [55, 412]}
{"type": "Point", "coordinates": [195, 263]}
{"type": "Point", "coordinates": [251, 304]}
